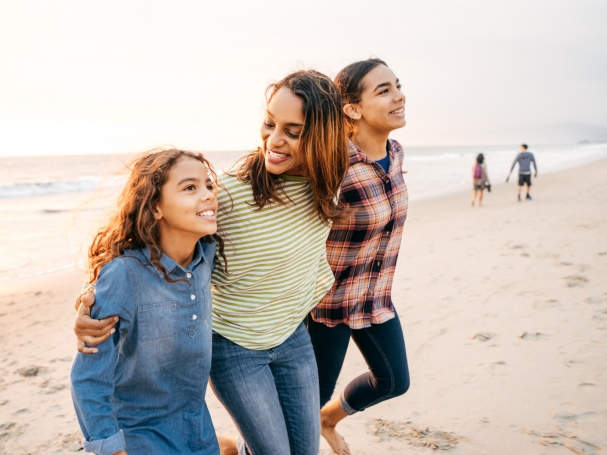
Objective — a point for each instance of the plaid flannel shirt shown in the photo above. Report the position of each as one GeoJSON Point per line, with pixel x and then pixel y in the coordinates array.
{"type": "Point", "coordinates": [362, 250]}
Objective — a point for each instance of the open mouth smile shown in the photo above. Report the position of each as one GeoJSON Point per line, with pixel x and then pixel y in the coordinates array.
{"type": "Point", "coordinates": [399, 111]}
{"type": "Point", "coordinates": [277, 157]}
{"type": "Point", "coordinates": [209, 213]}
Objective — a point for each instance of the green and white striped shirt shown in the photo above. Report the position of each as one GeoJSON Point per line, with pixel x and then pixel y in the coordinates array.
{"type": "Point", "coordinates": [277, 261]}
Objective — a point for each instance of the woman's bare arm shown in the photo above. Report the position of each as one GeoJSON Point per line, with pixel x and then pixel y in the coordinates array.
{"type": "Point", "coordinates": [91, 331]}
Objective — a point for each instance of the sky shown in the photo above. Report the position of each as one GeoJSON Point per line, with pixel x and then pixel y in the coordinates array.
{"type": "Point", "coordinates": [122, 76]}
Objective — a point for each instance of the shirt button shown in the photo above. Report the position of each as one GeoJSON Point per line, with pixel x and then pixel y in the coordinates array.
{"type": "Point", "coordinates": [189, 275]}
{"type": "Point", "coordinates": [192, 297]}
{"type": "Point", "coordinates": [194, 317]}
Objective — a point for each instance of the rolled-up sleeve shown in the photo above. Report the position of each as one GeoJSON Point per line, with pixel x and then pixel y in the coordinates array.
{"type": "Point", "coordinates": [92, 375]}
{"type": "Point", "coordinates": [107, 446]}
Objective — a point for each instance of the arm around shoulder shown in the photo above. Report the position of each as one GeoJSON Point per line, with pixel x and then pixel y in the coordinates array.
{"type": "Point", "coordinates": [92, 377]}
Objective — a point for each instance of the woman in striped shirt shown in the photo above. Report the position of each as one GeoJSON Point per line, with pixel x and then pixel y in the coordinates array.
{"type": "Point", "coordinates": [362, 251]}
{"type": "Point", "coordinates": [275, 216]}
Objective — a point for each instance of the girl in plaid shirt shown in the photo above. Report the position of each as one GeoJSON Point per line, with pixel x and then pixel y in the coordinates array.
{"type": "Point", "coordinates": [362, 251]}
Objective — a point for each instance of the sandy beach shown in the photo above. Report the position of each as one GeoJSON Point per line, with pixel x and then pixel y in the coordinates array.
{"type": "Point", "coordinates": [504, 310]}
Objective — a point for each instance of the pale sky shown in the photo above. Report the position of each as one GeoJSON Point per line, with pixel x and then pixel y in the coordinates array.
{"type": "Point", "coordinates": [121, 76]}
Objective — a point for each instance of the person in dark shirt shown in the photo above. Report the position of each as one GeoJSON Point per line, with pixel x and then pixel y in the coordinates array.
{"type": "Point", "coordinates": [524, 160]}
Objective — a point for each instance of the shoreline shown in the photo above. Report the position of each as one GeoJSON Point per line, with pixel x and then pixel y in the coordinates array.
{"type": "Point", "coordinates": [504, 310]}
{"type": "Point", "coordinates": [455, 190]}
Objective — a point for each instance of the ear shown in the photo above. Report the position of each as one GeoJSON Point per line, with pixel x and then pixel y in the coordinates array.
{"type": "Point", "coordinates": [351, 110]}
{"type": "Point", "coordinates": [157, 213]}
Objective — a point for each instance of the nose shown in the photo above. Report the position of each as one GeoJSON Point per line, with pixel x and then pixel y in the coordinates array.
{"type": "Point", "coordinates": [400, 96]}
{"type": "Point", "coordinates": [208, 195]}
{"type": "Point", "coordinates": [275, 139]}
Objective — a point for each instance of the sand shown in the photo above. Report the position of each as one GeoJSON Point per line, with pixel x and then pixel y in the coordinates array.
{"type": "Point", "coordinates": [504, 310]}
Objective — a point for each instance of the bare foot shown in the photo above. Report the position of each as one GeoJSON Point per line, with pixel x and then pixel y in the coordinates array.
{"type": "Point", "coordinates": [335, 440]}
{"type": "Point", "coordinates": [227, 444]}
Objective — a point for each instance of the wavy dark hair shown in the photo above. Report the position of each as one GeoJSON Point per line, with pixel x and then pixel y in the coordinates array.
{"type": "Point", "coordinates": [322, 149]}
{"type": "Point", "coordinates": [349, 82]}
{"type": "Point", "coordinates": [133, 225]}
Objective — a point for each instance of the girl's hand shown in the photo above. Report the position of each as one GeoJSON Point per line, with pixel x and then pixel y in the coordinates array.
{"type": "Point", "coordinates": [89, 330]}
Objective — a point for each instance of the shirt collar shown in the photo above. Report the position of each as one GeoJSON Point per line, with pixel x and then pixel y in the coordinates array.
{"type": "Point", "coordinates": [170, 265]}
{"type": "Point", "coordinates": [357, 156]}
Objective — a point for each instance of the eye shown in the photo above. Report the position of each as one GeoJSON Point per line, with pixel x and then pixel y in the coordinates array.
{"type": "Point", "coordinates": [383, 91]}
{"type": "Point", "coordinates": [293, 135]}
{"type": "Point", "coordinates": [399, 86]}
{"type": "Point", "coordinates": [190, 188]}
{"type": "Point", "coordinates": [268, 125]}
{"type": "Point", "coordinates": [210, 187]}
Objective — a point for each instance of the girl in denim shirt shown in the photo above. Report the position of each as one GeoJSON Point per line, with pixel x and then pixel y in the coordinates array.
{"type": "Point", "coordinates": [144, 392]}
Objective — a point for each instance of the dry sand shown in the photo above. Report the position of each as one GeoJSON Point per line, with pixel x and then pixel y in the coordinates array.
{"type": "Point", "coordinates": [504, 309]}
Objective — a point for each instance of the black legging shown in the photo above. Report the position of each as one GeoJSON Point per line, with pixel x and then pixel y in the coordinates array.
{"type": "Point", "coordinates": [382, 346]}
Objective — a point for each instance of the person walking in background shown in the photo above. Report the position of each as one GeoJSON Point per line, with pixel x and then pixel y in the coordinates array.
{"type": "Point", "coordinates": [480, 179]}
{"type": "Point", "coordinates": [524, 160]}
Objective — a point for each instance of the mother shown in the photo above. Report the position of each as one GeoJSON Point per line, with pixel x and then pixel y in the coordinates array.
{"type": "Point", "coordinates": [283, 197]}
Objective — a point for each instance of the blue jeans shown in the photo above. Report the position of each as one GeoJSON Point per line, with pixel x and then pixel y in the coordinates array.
{"type": "Point", "coordinates": [382, 346]}
{"type": "Point", "coordinates": [272, 395]}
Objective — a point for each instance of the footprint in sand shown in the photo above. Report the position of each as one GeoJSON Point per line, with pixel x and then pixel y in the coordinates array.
{"type": "Point", "coordinates": [8, 432]}
{"type": "Point", "coordinates": [483, 336]}
{"type": "Point", "coordinates": [552, 303]}
{"type": "Point", "coordinates": [600, 315]}
{"type": "Point", "coordinates": [575, 280]}
{"type": "Point", "coordinates": [48, 388]}
{"type": "Point", "coordinates": [532, 336]}
{"type": "Point", "coordinates": [414, 435]}
{"type": "Point", "coordinates": [569, 441]}
{"type": "Point", "coordinates": [30, 371]}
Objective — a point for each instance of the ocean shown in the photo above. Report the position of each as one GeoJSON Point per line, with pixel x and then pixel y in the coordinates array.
{"type": "Point", "coordinates": [50, 206]}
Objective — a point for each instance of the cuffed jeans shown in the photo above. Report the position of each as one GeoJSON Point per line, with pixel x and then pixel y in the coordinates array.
{"type": "Point", "coordinates": [272, 394]}
{"type": "Point", "coordinates": [382, 346]}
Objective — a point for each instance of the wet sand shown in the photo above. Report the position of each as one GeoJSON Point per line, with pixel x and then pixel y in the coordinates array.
{"type": "Point", "coordinates": [504, 310]}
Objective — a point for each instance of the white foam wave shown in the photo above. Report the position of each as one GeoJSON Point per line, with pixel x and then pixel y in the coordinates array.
{"type": "Point", "coordinates": [17, 190]}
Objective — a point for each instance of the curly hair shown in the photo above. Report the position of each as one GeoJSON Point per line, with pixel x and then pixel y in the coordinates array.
{"type": "Point", "coordinates": [132, 225]}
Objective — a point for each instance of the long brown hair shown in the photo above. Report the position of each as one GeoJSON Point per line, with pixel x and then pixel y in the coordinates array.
{"type": "Point", "coordinates": [133, 225]}
{"type": "Point", "coordinates": [349, 82]}
{"type": "Point", "coordinates": [322, 149]}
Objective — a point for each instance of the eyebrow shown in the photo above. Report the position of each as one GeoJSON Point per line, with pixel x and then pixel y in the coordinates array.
{"type": "Point", "coordinates": [189, 179]}
{"type": "Point", "coordinates": [288, 124]}
{"type": "Point", "coordinates": [386, 84]}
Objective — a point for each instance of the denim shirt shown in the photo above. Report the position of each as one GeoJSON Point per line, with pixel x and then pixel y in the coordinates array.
{"type": "Point", "coordinates": [144, 391]}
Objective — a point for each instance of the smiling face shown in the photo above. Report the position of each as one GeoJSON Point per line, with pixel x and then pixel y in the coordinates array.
{"type": "Point", "coordinates": [382, 104]}
{"type": "Point", "coordinates": [280, 133]}
{"type": "Point", "coordinates": [187, 209]}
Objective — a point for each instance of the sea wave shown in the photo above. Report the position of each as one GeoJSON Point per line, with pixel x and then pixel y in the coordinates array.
{"type": "Point", "coordinates": [438, 157]}
{"type": "Point", "coordinates": [18, 190]}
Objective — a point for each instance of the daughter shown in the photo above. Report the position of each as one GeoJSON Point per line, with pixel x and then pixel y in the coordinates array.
{"type": "Point", "coordinates": [144, 391]}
